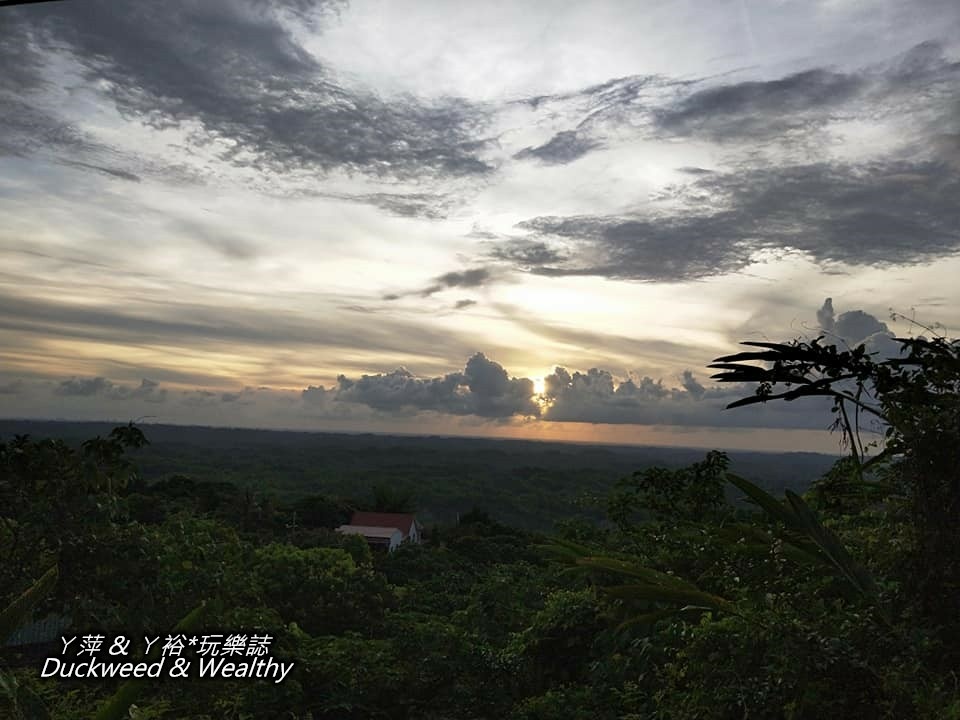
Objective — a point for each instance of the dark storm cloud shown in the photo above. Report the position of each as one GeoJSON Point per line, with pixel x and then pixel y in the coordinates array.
{"type": "Point", "coordinates": [797, 105]}
{"type": "Point", "coordinates": [484, 388]}
{"type": "Point", "coordinates": [237, 70]}
{"type": "Point", "coordinates": [526, 253]}
{"type": "Point", "coordinates": [666, 249]}
{"type": "Point", "coordinates": [871, 214]}
{"type": "Point", "coordinates": [25, 127]}
{"type": "Point", "coordinates": [752, 109]}
{"type": "Point", "coordinates": [788, 110]}
{"type": "Point", "coordinates": [562, 148]}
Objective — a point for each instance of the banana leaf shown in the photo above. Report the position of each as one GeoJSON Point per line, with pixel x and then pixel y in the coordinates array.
{"type": "Point", "coordinates": [673, 596]}
{"type": "Point", "coordinates": [117, 705]}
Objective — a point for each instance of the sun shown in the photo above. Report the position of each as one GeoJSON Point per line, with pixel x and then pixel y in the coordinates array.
{"type": "Point", "coordinates": [539, 386]}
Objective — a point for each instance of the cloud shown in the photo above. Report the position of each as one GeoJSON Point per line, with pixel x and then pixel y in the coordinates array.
{"type": "Point", "coordinates": [148, 390]}
{"type": "Point", "coordinates": [825, 315]}
{"type": "Point", "coordinates": [562, 148]}
{"type": "Point", "coordinates": [223, 243]}
{"type": "Point", "coordinates": [856, 327]}
{"type": "Point", "coordinates": [84, 387]}
{"type": "Point", "coordinates": [691, 385]}
{"type": "Point", "coordinates": [238, 70]}
{"type": "Point", "coordinates": [472, 278]}
{"type": "Point", "coordinates": [14, 387]}
{"type": "Point", "coordinates": [199, 398]}
{"type": "Point", "coordinates": [797, 109]}
{"type": "Point", "coordinates": [118, 173]}
{"type": "Point", "coordinates": [596, 396]}
{"type": "Point", "coordinates": [484, 388]}
{"type": "Point", "coordinates": [667, 351]}
{"type": "Point", "coordinates": [316, 395]}
{"type": "Point", "coordinates": [26, 129]}
{"type": "Point", "coordinates": [204, 326]}
{"type": "Point", "coordinates": [463, 304]}
{"type": "Point", "coordinates": [920, 83]}
{"type": "Point", "coordinates": [426, 205]}
{"type": "Point", "coordinates": [593, 112]}
{"type": "Point", "coordinates": [881, 213]}
{"type": "Point", "coordinates": [760, 109]}
{"type": "Point", "coordinates": [526, 253]}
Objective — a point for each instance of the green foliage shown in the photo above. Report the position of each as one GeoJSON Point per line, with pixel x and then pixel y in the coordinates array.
{"type": "Point", "coordinates": [815, 542]}
{"type": "Point", "coordinates": [16, 613]}
{"type": "Point", "coordinates": [391, 499]}
{"type": "Point", "coordinates": [686, 494]}
{"type": "Point", "coordinates": [119, 703]}
{"type": "Point", "coordinates": [681, 605]}
{"type": "Point", "coordinates": [917, 397]}
{"type": "Point", "coordinates": [323, 590]}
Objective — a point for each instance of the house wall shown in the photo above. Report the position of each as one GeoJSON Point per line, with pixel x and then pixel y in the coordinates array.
{"type": "Point", "coordinates": [395, 541]}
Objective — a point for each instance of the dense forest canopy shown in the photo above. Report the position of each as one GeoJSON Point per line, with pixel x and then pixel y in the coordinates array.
{"type": "Point", "coordinates": [840, 602]}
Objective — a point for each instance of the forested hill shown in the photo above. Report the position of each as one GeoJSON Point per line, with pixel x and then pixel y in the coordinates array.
{"type": "Point", "coordinates": [528, 484]}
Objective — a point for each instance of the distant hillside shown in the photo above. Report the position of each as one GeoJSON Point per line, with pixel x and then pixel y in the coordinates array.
{"type": "Point", "coordinates": [525, 483]}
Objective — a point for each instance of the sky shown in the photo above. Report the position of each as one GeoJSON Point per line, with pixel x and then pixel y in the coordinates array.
{"type": "Point", "coordinates": [526, 219]}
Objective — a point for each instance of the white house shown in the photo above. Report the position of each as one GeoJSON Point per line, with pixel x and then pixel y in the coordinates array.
{"type": "Point", "coordinates": [389, 538]}
{"type": "Point", "coordinates": [384, 529]}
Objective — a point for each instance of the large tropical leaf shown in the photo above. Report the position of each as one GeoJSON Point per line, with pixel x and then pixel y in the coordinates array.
{"type": "Point", "coordinates": [647, 575]}
{"type": "Point", "coordinates": [687, 612]}
{"type": "Point", "coordinates": [831, 546]}
{"type": "Point", "coordinates": [117, 705]}
{"type": "Point", "coordinates": [815, 541]}
{"type": "Point", "coordinates": [670, 595]}
{"type": "Point", "coordinates": [767, 502]}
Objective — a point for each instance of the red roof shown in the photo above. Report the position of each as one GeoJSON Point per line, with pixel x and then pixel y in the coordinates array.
{"type": "Point", "coordinates": [402, 521]}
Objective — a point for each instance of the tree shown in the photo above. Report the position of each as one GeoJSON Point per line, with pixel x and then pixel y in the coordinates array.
{"type": "Point", "coordinates": [389, 498]}
{"type": "Point", "coordinates": [916, 398]}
